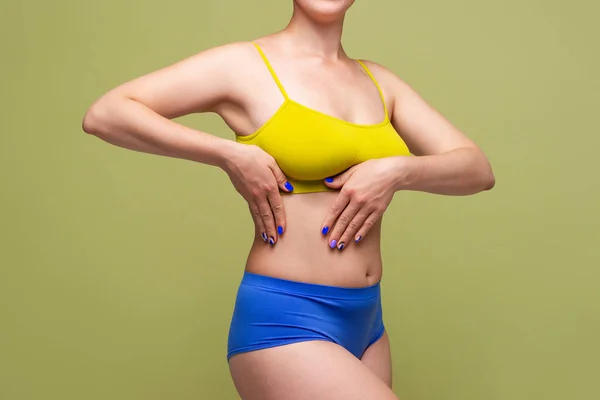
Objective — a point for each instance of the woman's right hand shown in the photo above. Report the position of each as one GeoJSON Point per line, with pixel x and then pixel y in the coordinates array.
{"type": "Point", "coordinates": [257, 177]}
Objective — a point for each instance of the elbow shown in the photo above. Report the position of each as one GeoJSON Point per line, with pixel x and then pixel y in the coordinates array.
{"type": "Point", "coordinates": [100, 117]}
{"type": "Point", "coordinates": [485, 175]}
{"type": "Point", "coordinates": [482, 175]}
{"type": "Point", "coordinates": [90, 122]}
{"type": "Point", "coordinates": [489, 181]}
{"type": "Point", "coordinates": [94, 119]}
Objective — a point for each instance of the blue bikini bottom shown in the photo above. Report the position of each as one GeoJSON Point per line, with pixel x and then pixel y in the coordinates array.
{"type": "Point", "coordinates": [273, 312]}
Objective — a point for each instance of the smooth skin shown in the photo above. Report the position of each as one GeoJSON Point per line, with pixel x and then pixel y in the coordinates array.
{"type": "Point", "coordinates": [232, 81]}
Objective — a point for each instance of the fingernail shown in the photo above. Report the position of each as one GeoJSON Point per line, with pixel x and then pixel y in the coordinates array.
{"type": "Point", "coordinates": [264, 236]}
{"type": "Point", "coordinates": [329, 180]}
{"type": "Point", "coordinates": [289, 186]}
{"type": "Point", "coordinates": [358, 238]}
{"type": "Point", "coordinates": [341, 245]}
{"type": "Point", "coordinates": [280, 230]}
{"type": "Point", "coordinates": [325, 230]}
{"type": "Point", "coordinates": [271, 240]}
{"type": "Point", "coordinates": [332, 243]}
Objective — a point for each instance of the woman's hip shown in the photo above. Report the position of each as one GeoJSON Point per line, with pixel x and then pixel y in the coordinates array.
{"type": "Point", "coordinates": [271, 311]}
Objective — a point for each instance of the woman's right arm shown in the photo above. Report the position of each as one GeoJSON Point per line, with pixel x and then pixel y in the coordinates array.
{"type": "Point", "coordinates": [137, 115]}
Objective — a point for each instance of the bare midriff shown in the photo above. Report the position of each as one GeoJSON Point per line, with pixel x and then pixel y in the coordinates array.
{"type": "Point", "coordinates": [302, 252]}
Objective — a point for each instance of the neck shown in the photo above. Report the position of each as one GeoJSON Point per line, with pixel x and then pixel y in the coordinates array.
{"type": "Point", "coordinates": [317, 38]}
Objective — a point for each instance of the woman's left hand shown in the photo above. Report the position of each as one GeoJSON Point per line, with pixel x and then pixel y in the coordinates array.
{"type": "Point", "coordinates": [366, 191]}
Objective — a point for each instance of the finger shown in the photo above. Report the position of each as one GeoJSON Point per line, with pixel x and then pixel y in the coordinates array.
{"type": "Point", "coordinates": [340, 203]}
{"type": "Point", "coordinates": [276, 203]}
{"type": "Point", "coordinates": [338, 181]}
{"type": "Point", "coordinates": [351, 231]}
{"type": "Point", "coordinates": [266, 215]}
{"type": "Point", "coordinates": [366, 226]}
{"type": "Point", "coordinates": [341, 224]}
{"type": "Point", "coordinates": [282, 181]}
{"type": "Point", "coordinates": [260, 225]}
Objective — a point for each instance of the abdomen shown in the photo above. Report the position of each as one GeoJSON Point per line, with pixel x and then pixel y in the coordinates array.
{"type": "Point", "coordinates": [302, 253]}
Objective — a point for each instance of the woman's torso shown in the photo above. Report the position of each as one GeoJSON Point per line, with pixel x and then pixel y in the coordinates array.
{"type": "Point", "coordinates": [343, 96]}
{"type": "Point", "coordinates": [302, 252]}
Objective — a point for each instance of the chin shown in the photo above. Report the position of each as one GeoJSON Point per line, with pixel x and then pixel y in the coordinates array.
{"type": "Point", "coordinates": [324, 10]}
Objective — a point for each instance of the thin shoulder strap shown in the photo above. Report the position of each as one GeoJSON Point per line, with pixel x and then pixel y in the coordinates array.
{"type": "Point", "coordinates": [377, 85]}
{"type": "Point", "coordinates": [271, 70]}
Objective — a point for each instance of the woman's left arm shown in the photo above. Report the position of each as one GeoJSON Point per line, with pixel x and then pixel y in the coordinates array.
{"type": "Point", "coordinates": [447, 162]}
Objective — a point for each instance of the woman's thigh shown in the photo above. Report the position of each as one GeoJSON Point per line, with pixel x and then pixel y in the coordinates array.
{"type": "Point", "coordinates": [311, 370]}
{"type": "Point", "coordinates": [378, 359]}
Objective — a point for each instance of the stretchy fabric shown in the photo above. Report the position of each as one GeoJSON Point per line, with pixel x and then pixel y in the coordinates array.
{"type": "Point", "coordinates": [310, 146]}
{"type": "Point", "coordinates": [272, 312]}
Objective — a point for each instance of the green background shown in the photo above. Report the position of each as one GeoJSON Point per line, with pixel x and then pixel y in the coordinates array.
{"type": "Point", "coordinates": [119, 269]}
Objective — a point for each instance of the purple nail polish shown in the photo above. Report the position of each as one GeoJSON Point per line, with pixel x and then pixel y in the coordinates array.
{"type": "Point", "coordinates": [332, 243]}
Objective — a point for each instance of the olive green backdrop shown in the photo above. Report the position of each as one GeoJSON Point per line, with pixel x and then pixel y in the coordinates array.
{"type": "Point", "coordinates": [119, 269]}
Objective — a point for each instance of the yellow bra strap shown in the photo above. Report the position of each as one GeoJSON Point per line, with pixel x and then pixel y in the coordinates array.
{"type": "Point", "coordinates": [272, 71]}
{"type": "Point", "coordinates": [377, 85]}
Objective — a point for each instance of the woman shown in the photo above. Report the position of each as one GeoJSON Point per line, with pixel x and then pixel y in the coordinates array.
{"type": "Point", "coordinates": [322, 144]}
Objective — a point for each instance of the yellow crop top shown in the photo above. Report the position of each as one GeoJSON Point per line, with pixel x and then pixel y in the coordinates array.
{"type": "Point", "coordinates": [310, 146]}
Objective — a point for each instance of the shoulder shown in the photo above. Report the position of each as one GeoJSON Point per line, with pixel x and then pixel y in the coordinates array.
{"type": "Point", "coordinates": [391, 84]}
{"type": "Point", "coordinates": [378, 69]}
{"type": "Point", "coordinates": [229, 56]}
{"type": "Point", "coordinates": [232, 67]}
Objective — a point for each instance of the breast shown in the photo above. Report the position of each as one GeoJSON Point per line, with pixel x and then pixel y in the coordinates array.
{"type": "Point", "coordinates": [315, 147]}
